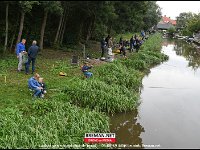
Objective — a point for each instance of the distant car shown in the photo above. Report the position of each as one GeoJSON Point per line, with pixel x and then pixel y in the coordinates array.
{"type": "Point", "coordinates": [190, 39]}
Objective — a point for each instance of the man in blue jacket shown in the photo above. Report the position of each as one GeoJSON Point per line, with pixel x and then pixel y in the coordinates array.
{"type": "Point", "coordinates": [32, 54]}
{"type": "Point", "coordinates": [20, 53]}
{"type": "Point", "coordinates": [85, 71]}
{"type": "Point", "coordinates": [34, 85]}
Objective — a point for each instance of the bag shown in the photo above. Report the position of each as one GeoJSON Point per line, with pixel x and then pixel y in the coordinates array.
{"type": "Point", "coordinates": [24, 58]}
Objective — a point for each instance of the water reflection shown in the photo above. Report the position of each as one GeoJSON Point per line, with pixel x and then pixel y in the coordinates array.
{"type": "Point", "coordinates": [168, 42]}
{"type": "Point", "coordinates": [127, 129]}
{"type": "Point", "coordinates": [169, 110]}
{"type": "Point", "coordinates": [191, 54]}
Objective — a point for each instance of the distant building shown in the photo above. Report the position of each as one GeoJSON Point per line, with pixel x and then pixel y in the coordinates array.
{"type": "Point", "coordinates": [166, 23]}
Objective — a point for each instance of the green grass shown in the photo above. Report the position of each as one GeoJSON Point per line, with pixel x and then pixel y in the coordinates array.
{"type": "Point", "coordinates": [51, 123]}
{"type": "Point", "coordinates": [98, 95]}
{"type": "Point", "coordinates": [73, 105]}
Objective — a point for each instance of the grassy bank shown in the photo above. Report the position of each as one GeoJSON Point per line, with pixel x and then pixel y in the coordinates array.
{"type": "Point", "coordinates": [50, 123]}
{"type": "Point", "coordinates": [73, 106]}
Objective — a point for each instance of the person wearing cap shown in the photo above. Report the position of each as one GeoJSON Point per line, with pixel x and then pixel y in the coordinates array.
{"type": "Point", "coordinates": [85, 69]}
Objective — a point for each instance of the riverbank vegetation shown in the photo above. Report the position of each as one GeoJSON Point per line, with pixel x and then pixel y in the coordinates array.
{"type": "Point", "coordinates": [73, 105]}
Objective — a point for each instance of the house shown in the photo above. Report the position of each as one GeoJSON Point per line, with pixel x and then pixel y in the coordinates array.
{"type": "Point", "coordinates": [166, 23]}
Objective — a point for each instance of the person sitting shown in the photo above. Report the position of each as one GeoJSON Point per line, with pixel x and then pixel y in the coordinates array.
{"type": "Point", "coordinates": [127, 43]}
{"type": "Point", "coordinates": [123, 49]}
{"type": "Point", "coordinates": [43, 85]}
{"type": "Point", "coordinates": [34, 85]}
{"type": "Point", "coordinates": [85, 71]}
{"type": "Point", "coordinates": [103, 47]}
{"type": "Point", "coordinates": [120, 42]}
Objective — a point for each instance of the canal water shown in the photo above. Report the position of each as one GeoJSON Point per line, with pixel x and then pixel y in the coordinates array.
{"type": "Point", "coordinates": [169, 113]}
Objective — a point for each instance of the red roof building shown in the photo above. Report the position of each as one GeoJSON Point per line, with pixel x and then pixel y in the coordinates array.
{"type": "Point", "coordinates": [168, 20]}
{"type": "Point", "coordinates": [166, 23]}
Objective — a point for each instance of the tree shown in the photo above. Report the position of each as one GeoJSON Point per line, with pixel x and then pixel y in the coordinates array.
{"type": "Point", "coordinates": [171, 31]}
{"type": "Point", "coordinates": [152, 15]}
{"type": "Point", "coordinates": [6, 31]}
{"type": "Point", "coordinates": [183, 19]}
{"type": "Point", "coordinates": [49, 21]}
{"type": "Point", "coordinates": [49, 7]}
{"type": "Point", "coordinates": [190, 22]}
{"type": "Point", "coordinates": [58, 30]}
{"type": "Point", "coordinates": [25, 6]}
{"type": "Point", "coordinates": [193, 24]}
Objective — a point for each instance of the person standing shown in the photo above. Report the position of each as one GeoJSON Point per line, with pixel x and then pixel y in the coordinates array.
{"type": "Point", "coordinates": [20, 53]}
{"type": "Point", "coordinates": [107, 38]}
{"type": "Point", "coordinates": [123, 49]}
{"type": "Point", "coordinates": [137, 44]}
{"type": "Point", "coordinates": [103, 47]}
{"type": "Point", "coordinates": [120, 42]}
{"type": "Point", "coordinates": [131, 44]}
{"type": "Point", "coordinates": [32, 54]}
{"type": "Point", "coordinates": [110, 45]}
{"type": "Point", "coordinates": [143, 34]}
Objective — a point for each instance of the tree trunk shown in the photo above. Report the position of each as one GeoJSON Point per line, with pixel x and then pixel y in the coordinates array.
{"type": "Point", "coordinates": [62, 27]}
{"type": "Point", "coordinates": [12, 40]}
{"type": "Point", "coordinates": [6, 38]}
{"type": "Point", "coordinates": [58, 30]}
{"type": "Point", "coordinates": [90, 29]}
{"type": "Point", "coordinates": [63, 32]}
{"type": "Point", "coordinates": [43, 29]}
{"type": "Point", "coordinates": [20, 27]}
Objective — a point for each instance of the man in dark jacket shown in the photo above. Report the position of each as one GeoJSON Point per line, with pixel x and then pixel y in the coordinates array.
{"type": "Point", "coordinates": [32, 54]}
{"type": "Point", "coordinates": [107, 39]}
{"type": "Point", "coordinates": [131, 44]}
{"type": "Point", "coordinates": [103, 47]}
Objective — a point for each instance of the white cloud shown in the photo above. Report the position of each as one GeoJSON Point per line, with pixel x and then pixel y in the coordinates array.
{"type": "Point", "coordinates": [174, 8]}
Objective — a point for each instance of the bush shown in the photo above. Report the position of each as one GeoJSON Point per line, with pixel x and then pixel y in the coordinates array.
{"type": "Point", "coordinates": [98, 95]}
{"type": "Point", "coordinates": [118, 73]}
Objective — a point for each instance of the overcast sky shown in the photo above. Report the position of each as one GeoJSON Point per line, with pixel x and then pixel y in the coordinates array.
{"type": "Point", "coordinates": [172, 9]}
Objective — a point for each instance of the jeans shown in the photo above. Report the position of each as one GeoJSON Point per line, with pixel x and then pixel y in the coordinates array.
{"type": "Point", "coordinates": [88, 74]}
{"type": "Point", "coordinates": [27, 65]}
{"type": "Point", "coordinates": [131, 47]}
{"type": "Point", "coordinates": [102, 51]}
{"type": "Point", "coordinates": [38, 92]}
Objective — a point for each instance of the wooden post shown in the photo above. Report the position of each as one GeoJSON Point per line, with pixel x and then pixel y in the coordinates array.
{"type": "Point", "coordinates": [5, 78]}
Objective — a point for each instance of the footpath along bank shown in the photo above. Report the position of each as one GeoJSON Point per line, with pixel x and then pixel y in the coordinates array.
{"type": "Point", "coordinates": [80, 106]}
